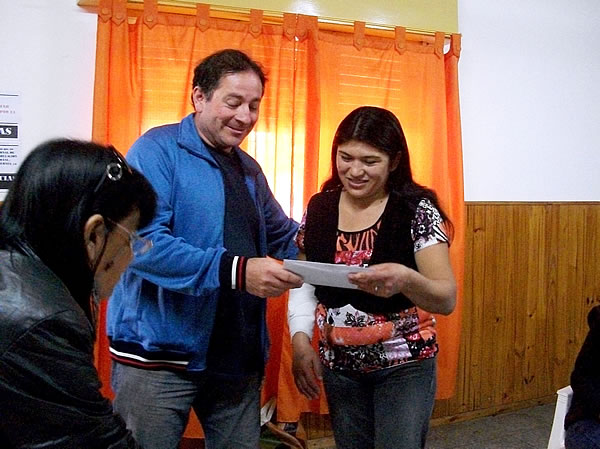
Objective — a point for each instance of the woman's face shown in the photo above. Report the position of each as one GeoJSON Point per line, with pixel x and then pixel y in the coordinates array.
{"type": "Point", "coordinates": [116, 256]}
{"type": "Point", "coordinates": [363, 170]}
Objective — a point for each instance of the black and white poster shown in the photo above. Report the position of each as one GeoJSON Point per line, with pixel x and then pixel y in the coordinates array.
{"type": "Point", "coordinates": [10, 139]}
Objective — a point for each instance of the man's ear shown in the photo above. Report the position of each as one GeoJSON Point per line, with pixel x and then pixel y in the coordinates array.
{"type": "Point", "coordinates": [198, 99]}
{"type": "Point", "coordinates": [94, 235]}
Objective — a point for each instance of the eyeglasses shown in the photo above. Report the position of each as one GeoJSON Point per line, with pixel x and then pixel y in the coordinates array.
{"type": "Point", "coordinates": [114, 171]}
{"type": "Point", "coordinates": [138, 245]}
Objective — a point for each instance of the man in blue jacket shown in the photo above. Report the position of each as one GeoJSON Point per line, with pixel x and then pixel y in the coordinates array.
{"type": "Point", "coordinates": [187, 323]}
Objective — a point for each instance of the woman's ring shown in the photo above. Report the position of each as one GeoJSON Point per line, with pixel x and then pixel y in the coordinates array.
{"type": "Point", "coordinates": [376, 288]}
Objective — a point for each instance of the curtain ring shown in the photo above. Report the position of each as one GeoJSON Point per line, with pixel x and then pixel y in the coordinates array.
{"type": "Point", "coordinates": [439, 44]}
{"type": "Point", "coordinates": [455, 44]}
{"type": "Point", "coordinates": [256, 18]}
{"type": "Point", "coordinates": [202, 16]}
{"type": "Point", "coordinates": [150, 13]}
{"type": "Point", "coordinates": [119, 13]}
{"type": "Point", "coordinates": [289, 25]}
{"type": "Point", "coordinates": [359, 34]}
{"type": "Point", "coordinates": [400, 39]}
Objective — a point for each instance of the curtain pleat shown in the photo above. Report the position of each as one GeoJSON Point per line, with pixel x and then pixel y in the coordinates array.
{"type": "Point", "coordinates": [144, 72]}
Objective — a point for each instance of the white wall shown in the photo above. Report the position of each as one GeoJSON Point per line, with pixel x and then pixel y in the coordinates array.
{"type": "Point", "coordinates": [47, 57]}
{"type": "Point", "coordinates": [529, 86]}
{"type": "Point", "coordinates": [530, 99]}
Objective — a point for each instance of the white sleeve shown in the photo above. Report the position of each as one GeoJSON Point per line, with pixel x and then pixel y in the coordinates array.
{"type": "Point", "coordinates": [301, 310]}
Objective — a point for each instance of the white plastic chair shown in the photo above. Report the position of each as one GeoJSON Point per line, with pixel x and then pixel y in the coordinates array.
{"type": "Point", "coordinates": [563, 402]}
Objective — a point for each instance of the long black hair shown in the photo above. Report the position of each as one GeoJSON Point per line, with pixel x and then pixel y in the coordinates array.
{"type": "Point", "coordinates": [381, 129]}
{"type": "Point", "coordinates": [58, 187]}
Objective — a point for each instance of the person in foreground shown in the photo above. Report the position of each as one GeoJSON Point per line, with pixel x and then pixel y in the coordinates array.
{"type": "Point", "coordinates": [582, 422]}
{"type": "Point", "coordinates": [187, 323]}
{"type": "Point", "coordinates": [67, 232]}
{"type": "Point", "coordinates": [377, 344]}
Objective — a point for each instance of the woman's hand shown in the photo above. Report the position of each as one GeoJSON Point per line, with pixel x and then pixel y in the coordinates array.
{"type": "Point", "coordinates": [385, 279]}
{"type": "Point", "coordinates": [306, 366]}
{"type": "Point", "coordinates": [431, 288]}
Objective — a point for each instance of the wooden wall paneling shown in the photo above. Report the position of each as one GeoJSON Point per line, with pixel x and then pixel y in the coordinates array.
{"type": "Point", "coordinates": [492, 302]}
{"type": "Point", "coordinates": [514, 339]}
{"type": "Point", "coordinates": [514, 356]}
{"type": "Point", "coordinates": [531, 277]}
{"type": "Point", "coordinates": [566, 313]}
{"type": "Point", "coordinates": [476, 269]}
{"type": "Point", "coordinates": [554, 325]}
{"type": "Point", "coordinates": [557, 329]}
{"type": "Point", "coordinates": [532, 273]}
{"type": "Point", "coordinates": [576, 303]}
{"type": "Point", "coordinates": [592, 256]}
{"type": "Point", "coordinates": [529, 301]}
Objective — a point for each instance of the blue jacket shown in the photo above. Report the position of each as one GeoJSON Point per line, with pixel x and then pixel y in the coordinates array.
{"type": "Point", "coordinates": [162, 311]}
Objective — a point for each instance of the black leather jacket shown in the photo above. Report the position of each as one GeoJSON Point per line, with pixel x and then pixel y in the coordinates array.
{"type": "Point", "coordinates": [49, 387]}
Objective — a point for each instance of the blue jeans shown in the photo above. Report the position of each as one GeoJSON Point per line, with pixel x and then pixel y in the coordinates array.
{"type": "Point", "coordinates": [584, 434]}
{"type": "Point", "coordinates": [156, 405]}
{"type": "Point", "coordinates": [385, 409]}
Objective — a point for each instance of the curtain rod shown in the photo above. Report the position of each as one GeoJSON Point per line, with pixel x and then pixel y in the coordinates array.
{"type": "Point", "coordinates": [273, 17]}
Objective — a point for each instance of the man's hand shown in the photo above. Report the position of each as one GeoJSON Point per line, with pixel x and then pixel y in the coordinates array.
{"type": "Point", "coordinates": [306, 366]}
{"type": "Point", "coordinates": [266, 277]}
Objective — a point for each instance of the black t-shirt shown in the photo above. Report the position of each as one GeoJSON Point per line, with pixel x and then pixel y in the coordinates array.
{"type": "Point", "coordinates": [235, 344]}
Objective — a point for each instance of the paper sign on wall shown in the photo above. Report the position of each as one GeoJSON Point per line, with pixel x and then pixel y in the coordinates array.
{"type": "Point", "coordinates": [10, 139]}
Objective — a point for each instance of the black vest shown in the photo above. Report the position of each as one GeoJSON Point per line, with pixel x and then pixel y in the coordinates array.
{"type": "Point", "coordinates": [393, 243]}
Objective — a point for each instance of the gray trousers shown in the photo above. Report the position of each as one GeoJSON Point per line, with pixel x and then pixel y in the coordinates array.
{"type": "Point", "coordinates": [155, 405]}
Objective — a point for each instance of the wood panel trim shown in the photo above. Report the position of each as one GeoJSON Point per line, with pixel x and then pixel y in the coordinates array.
{"type": "Point", "coordinates": [531, 276]}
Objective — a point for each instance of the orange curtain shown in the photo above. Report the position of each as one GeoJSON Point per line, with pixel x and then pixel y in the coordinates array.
{"type": "Point", "coordinates": [144, 70]}
{"type": "Point", "coordinates": [419, 83]}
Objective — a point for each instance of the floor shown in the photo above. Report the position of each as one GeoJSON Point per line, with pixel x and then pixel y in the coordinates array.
{"type": "Point", "coordinates": [527, 428]}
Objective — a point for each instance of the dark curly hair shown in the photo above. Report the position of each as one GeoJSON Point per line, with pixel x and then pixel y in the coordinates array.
{"type": "Point", "coordinates": [210, 70]}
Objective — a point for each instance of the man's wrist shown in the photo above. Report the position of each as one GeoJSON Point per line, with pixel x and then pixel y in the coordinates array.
{"type": "Point", "coordinates": [232, 272]}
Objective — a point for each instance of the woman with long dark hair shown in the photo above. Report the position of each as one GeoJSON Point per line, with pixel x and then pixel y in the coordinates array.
{"type": "Point", "coordinates": [377, 343]}
{"type": "Point", "coordinates": [67, 232]}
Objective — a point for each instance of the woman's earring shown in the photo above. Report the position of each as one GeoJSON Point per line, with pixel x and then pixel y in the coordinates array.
{"type": "Point", "coordinates": [91, 252]}
{"type": "Point", "coordinates": [94, 303]}
{"type": "Point", "coordinates": [95, 296]}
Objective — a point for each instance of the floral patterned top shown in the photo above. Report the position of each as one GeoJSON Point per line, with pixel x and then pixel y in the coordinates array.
{"type": "Point", "coordinates": [353, 340]}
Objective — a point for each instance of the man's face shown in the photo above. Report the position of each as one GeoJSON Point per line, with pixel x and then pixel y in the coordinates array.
{"type": "Point", "coordinates": [229, 115]}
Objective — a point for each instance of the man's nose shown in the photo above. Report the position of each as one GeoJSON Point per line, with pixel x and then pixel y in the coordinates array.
{"type": "Point", "coordinates": [244, 114]}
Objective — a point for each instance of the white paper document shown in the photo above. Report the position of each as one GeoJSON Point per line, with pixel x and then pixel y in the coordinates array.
{"type": "Point", "coordinates": [317, 273]}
